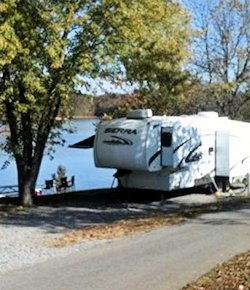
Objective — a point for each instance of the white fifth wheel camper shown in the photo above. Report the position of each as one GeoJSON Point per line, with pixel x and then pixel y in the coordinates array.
{"type": "Point", "coordinates": [172, 152]}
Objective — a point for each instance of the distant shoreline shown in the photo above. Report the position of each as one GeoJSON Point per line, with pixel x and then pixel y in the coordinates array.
{"type": "Point", "coordinates": [6, 130]}
{"type": "Point", "coordinates": [84, 117]}
{"type": "Point", "coordinates": [79, 118]}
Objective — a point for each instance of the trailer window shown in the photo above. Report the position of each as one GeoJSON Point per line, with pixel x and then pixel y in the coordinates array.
{"type": "Point", "coordinates": [166, 139]}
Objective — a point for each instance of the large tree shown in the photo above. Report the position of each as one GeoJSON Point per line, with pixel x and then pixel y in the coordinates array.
{"type": "Point", "coordinates": [47, 46]}
{"type": "Point", "coordinates": [222, 52]}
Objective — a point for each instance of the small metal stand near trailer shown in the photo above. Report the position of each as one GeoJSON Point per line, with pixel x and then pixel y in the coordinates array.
{"type": "Point", "coordinates": [173, 152]}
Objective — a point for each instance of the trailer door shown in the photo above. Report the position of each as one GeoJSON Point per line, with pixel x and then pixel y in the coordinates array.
{"type": "Point", "coordinates": [167, 146]}
{"type": "Point", "coordinates": [222, 167]}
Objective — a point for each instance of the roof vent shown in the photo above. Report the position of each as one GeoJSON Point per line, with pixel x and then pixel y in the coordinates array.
{"type": "Point", "coordinates": [208, 114]}
{"type": "Point", "coordinates": [140, 114]}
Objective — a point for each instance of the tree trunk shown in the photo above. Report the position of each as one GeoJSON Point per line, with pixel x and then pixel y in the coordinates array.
{"type": "Point", "coordinates": [27, 177]}
{"type": "Point", "coordinates": [26, 187]}
{"type": "Point", "coordinates": [26, 194]}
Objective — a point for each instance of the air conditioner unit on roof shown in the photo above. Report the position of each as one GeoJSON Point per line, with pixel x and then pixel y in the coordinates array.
{"type": "Point", "coordinates": [140, 114]}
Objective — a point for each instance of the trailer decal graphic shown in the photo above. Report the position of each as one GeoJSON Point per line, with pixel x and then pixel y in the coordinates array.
{"type": "Point", "coordinates": [118, 141]}
{"type": "Point", "coordinates": [180, 145]}
{"type": "Point", "coordinates": [120, 130]}
{"type": "Point", "coordinates": [243, 160]}
{"type": "Point", "coordinates": [153, 157]}
{"type": "Point", "coordinates": [156, 126]}
{"type": "Point", "coordinates": [189, 158]}
{"type": "Point", "coordinates": [194, 157]}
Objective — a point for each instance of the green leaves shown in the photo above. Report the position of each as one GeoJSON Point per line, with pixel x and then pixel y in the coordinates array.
{"type": "Point", "coordinates": [158, 43]}
{"type": "Point", "coordinates": [9, 43]}
{"type": "Point", "coordinates": [45, 45]}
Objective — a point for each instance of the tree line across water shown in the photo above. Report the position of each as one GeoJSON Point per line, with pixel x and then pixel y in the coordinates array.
{"type": "Point", "coordinates": [114, 105]}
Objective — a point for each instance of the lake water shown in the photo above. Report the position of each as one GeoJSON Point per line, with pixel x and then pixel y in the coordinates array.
{"type": "Point", "coordinates": [78, 162]}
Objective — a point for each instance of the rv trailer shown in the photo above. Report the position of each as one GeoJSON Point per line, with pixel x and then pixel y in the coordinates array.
{"type": "Point", "coordinates": [172, 152]}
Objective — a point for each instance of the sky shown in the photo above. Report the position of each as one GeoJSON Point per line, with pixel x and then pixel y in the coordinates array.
{"type": "Point", "coordinates": [99, 87]}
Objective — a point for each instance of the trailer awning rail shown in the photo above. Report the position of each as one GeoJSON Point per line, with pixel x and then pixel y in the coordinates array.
{"type": "Point", "coordinates": [84, 144]}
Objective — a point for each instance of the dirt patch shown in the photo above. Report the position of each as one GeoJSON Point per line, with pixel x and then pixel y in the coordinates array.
{"type": "Point", "coordinates": [117, 229]}
{"type": "Point", "coordinates": [233, 274]}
